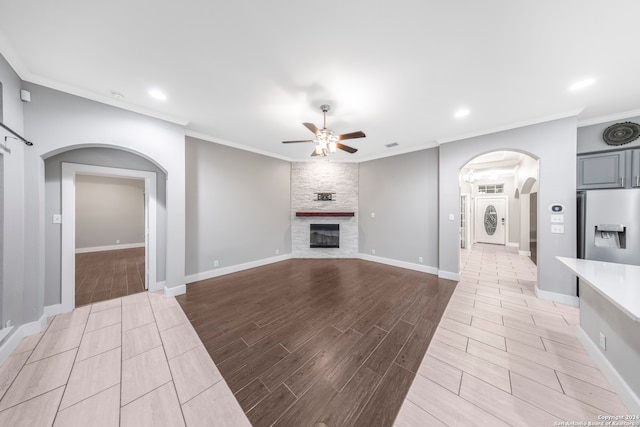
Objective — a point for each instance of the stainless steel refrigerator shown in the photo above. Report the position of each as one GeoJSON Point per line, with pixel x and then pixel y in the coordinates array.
{"type": "Point", "coordinates": [609, 225]}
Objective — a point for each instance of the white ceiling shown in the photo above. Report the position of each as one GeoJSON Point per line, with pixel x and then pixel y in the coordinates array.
{"type": "Point", "coordinates": [248, 73]}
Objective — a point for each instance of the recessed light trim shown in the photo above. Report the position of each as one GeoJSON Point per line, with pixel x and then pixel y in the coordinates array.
{"type": "Point", "coordinates": [463, 112]}
{"type": "Point", "coordinates": [157, 94]}
{"type": "Point", "coordinates": [582, 84]}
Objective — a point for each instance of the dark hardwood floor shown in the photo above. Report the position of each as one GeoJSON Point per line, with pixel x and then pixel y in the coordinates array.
{"type": "Point", "coordinates": [109, 274]}
{"type": "Point", "coordinates": [333, 341]}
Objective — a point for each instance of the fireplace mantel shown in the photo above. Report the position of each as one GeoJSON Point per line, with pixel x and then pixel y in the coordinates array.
{"type": "Point", "coordinates": [304, 214]}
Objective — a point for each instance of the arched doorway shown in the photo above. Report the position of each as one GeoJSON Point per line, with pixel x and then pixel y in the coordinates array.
{"type": "Point", "coordinates": [61, 169]}
{"type": "Point", "coordinates": [498, 194]}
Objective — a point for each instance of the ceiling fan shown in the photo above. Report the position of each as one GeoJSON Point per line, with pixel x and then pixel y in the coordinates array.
{"type": "Point", "coordinates": [326, 140]}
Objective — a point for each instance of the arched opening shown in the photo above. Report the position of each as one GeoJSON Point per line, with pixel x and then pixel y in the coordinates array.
{"type": "Point", "coordinates": [61, 171]}
{"type": "Point", "coordinates": [498, 203]}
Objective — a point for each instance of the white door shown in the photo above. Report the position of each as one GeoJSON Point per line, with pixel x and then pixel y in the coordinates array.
{"type": "Point", "coordinates": [490, 220]}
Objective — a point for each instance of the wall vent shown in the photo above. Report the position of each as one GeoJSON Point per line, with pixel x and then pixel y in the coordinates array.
{"type": "Point", "coordinates": [393, 144]}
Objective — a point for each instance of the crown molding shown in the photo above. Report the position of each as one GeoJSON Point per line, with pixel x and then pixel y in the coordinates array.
{"type": "Point", "coordinates": [608, 118]}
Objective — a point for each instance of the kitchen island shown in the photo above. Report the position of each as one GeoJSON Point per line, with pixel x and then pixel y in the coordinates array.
{"type": "Point", "coordinates": [610, 322]}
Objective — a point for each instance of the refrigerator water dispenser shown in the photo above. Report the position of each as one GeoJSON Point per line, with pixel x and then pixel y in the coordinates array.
{"type": "Point", "coordinates": [610, 236]}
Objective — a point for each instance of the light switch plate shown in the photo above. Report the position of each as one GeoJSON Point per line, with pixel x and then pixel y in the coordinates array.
{"type": "Point", "coordinates": [557, 218]}
{"type": "Point", "coordinates": [557, 228]}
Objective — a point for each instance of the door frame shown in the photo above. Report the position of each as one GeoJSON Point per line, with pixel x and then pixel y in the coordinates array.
{"type": "Point", "coordinates": [506, 214]}
{"type": "Point", "coordinates": [68, 249]}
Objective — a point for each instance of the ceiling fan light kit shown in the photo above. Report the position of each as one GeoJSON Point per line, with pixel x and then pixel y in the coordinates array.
{"type": "Point", "coordinates": [326, 140]}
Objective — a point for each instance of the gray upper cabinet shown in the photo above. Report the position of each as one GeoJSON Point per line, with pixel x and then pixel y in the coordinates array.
{"type": "Point", "coordinates": [635, 168]}
{"type": "Point", "coordinates": [603, 170]}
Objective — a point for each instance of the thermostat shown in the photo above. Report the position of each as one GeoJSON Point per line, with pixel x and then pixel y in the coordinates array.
{"type": "Point", "coordinates": [556, 208]}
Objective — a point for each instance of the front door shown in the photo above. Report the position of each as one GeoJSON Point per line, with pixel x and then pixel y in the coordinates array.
{"type": "Point", "coordinates": [490, 220]}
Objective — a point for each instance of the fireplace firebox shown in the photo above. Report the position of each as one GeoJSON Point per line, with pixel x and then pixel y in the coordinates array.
{"type": "Point", "coordinates": [324, 236]}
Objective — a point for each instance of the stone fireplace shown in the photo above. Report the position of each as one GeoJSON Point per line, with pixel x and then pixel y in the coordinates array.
{"type": "Point", "coordinates": [324, 194]}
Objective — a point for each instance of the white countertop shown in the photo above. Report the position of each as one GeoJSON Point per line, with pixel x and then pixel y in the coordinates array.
{"type": "Point", "coordinates": [619, 283]}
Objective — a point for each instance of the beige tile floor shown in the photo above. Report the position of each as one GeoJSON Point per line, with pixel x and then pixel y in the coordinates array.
{"type": "Point", "coordinates": [500, 356]}
{"type": "Point", "coordinates": [131, 361]}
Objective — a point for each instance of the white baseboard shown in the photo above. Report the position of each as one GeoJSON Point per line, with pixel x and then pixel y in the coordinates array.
{"type": "Point", "coordinates": [234, 268]}
{"type": "Point", "coordinates": [556, 297]}
{"type": "Point", "coordinates": [524, 253]}
{"type": "Point", "coordinates": [13, 341]}
{"type": "Point", "coordinates": [175, 291]}
{"type": "Point", "coordinates": [628, 397]}
{"type": "Point", "coordinates": [449, 275]}
{"type": "Point", "coordinates": [109, 248]}
{"type": "Point", "coordinates": [397, 263]}
{"type": "Point", "coordinates": [513, 244]}
{"type": "Point", "coordinates": [52, 310]}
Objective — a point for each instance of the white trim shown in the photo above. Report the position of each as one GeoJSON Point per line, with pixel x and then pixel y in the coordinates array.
{"type": "Point", "coordinates": [31, 328]}
{"type": "Point", "coordinates": [608, 118]}
{"type": "Point", "coordinates": [10, 344]}
{"type": "Point", "coordinates": [221, 141]}
{"type": "Point", "coordinates": [109, 248]}
{"type": "Point", "coordinates": [567, 114]}
{"type": "Point", "coordinates": [69, 171]}
{"type": "Point", "coordinates": [234, 268]}
{"type": "Point", "coordinates": [175, 291]}
{"type": "Point", "coordinates": [556, 297]}
{"type": "Point", "coordinates": [629, 398]}
{"type": "Point", "coordinates": [5, 331]}
{"type": "Point", "coordinates": [524, 253]}
{"type": "Point", "coordinates": [513, 244]}
{"type": "Point", "coordinates": [401, 264]}
{"type": "Point", "coordinates": [449, 275]}
{"type": "Point", "coordinates": [52, 310]}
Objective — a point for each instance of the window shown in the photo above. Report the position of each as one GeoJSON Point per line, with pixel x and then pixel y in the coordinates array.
{"type": "Point", "coordinates": [490, 188]}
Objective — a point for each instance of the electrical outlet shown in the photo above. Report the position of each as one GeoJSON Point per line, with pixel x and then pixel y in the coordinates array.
{"type": "Point", "coordinates": [420, 259]}
{"type": "Point", "coordinates": [216, 263]}
{"type": "Point", "coordinates": [117, 241]}
{"type": "Point", "coordinates": [277, 251]}
{"type": "Point", "coordinates": [603, 341]}
{"type": "Point", "coordinates": [8, 324]}
{"type": "Point", "coordinates": [373, 251]}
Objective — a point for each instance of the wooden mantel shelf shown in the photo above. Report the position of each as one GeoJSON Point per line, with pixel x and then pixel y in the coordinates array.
{"type": "Point", "coordinates": [325, 214]}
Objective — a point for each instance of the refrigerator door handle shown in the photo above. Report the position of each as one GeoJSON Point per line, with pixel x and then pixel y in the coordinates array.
{"type": "Point", "coordinates": [622, 181]}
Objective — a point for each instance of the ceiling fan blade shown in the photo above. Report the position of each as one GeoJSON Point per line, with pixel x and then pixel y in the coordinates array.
{"type": "Point", "coordinates": [313, 128]}
{"type": "Point", "coordinates": [346, 148]}
{"type": "Point", "coordinates": [352, 135]}
{"type": "Point", "coordinates": [301, 140]}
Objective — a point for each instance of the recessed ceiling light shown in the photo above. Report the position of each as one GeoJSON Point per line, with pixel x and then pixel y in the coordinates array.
{"type": "Point", "coordinates": [582, 84]}
{"type": "Point", "coordinates": [463, 112]}
{"type": "Point", "coordinates": [157, 94]}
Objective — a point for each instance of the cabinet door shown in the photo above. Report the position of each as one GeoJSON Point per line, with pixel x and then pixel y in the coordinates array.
{"type": "Point", "coordinates": [635, 168]}
{"type": "Point", "coordinates": [605, 170]}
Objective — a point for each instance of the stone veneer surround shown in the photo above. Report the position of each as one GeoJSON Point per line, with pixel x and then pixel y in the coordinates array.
{"type": "Point", "coordinates": [308, 178]}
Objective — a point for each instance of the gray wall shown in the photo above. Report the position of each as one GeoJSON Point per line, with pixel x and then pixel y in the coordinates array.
{"type": "Point", "coordinates": [13, 234]}
{"type": "Point", "coordinates": [402, 191]}
{"type": "Point", "coordinates": [590, 137]}
{"type": "Point", "coordinates": [58, 122]}
{"type": "Point", "coordinates": [95, 156]}
{"type": "Point", "coordinates": [109, 211]}
{"type": "Point", "coordinates": [554, 144]}
{"type": "Point", "coordinates": [237, 206]}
